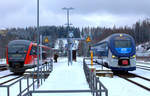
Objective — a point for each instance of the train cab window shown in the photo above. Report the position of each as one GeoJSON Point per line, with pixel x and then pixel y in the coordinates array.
{"type": "Point", "coordinates": [19, 48]}
{"type": "Point", "coordinates": [33, 50]}
{"type": "Point", "coordinates": [122, 43]}
{"type": "Point", "coordinates": [44, 54]}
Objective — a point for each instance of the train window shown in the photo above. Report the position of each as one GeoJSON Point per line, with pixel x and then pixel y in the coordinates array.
{"type": "Point", "coordinates": [33, 50]}
{"type": "Point", "coordinates": [122, 43]}
{"type": "Point", "coordinates": [17, 48]}
{"type": "Point", "coordinates": [103, 49]}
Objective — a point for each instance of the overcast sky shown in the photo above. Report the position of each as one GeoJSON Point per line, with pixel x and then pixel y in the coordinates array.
{"type": "Point", "coordinates": [22, 13]}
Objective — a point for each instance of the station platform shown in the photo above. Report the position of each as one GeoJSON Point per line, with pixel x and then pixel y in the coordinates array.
{"type": "Point", "coordinates": [99, 70]}
{"type": "Point", "coordinates": [64, 77]}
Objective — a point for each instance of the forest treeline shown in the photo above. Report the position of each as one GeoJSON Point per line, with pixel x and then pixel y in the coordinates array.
{"type": "Point", "coordinates": [140, 32]}
{"type": "Point", "coordinates": [30, 33]}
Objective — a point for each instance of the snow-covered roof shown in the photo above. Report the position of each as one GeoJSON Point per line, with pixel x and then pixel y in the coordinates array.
{"type": "Point", "coordinates": [63, 43]}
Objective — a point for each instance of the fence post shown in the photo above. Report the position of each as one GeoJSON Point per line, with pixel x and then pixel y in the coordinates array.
{"type": "Point", "coordinates": [27, 84]}
{"type": "Point", "coordinates": [41, 74]}
{"type": "Point", "coordinates": [51, 65]}
{"type": "Point", "coordinates": [30, 94]}
{"type": "Point", "coordinates": [96, 85]}
{"type": "Point", "coordinates": [100, 88]}
{"type": "Point", "coordinates": [106, 92]}
{"type": "Point", "coordinates": [45, 71]}
{"type": "Point", "coordinates": [33, 82]}
{"type": "Point", "coordinates": [8, 91]}
{"type": "Point", "coordinates": [20, 86]}
{"type": "Point", "coordinates": [93, 83]}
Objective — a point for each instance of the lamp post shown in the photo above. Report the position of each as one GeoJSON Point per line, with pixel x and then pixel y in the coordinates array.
{"type": "Point", "coordinates": [68, 23]}
{"type": "Point", "coordinates": [38, 42]}
{"type": "Point", "coordinates": [69, 40]}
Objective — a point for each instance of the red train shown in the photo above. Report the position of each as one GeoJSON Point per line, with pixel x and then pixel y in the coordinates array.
{"type": "Point", "coordinates": [21, 54]}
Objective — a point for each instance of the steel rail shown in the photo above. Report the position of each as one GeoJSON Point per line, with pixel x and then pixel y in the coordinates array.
{"type": "Point", "coordinates": [140, 85]}
{"type": "Point", "coordinates": [136, 83]}
{"type": "Point", "coordinates": [3, 68]}
{"type": "Point", "coordinates": [143, 67]}
{"type": "Point", "coordinates": [143, 62]}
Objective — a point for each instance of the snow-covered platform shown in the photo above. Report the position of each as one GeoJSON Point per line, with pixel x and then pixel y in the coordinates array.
{"type": "Point", "coordinates": [104, 72]}
{"type": "Point", "coordinates": [64, 77]}
{"type": "Point", "coordinates": [99, 69]}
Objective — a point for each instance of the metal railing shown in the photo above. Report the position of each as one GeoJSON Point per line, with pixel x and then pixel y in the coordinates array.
{"type": "Point", "coordinates": [94, 83]}
{"type": "Point", "coordinates": [60, 91]}
{"type": "Point", "coordinates": [44, 69]}
{"type": "Point", "coordinates": [96, 87]}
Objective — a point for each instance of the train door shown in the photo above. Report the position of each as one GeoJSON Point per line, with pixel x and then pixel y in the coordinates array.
{"type": "Point", "coordinates": [33, 53]}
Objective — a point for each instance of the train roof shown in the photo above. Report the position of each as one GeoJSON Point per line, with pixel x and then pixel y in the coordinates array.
{"type": "Point", "coordinates": [107, 39]}
{"type": "Point", "coordinates": [118, 34]}
{"type": "Point", "coordinates": [26, 42]}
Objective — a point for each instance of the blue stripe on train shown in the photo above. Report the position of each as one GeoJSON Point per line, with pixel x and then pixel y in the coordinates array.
{"type": "Point", "coordinates": [123, 69]}
{"type": "Point", "coordinates": [123, 50]}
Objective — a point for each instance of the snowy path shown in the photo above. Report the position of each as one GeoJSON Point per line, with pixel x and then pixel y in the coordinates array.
{"type": "Point", "coordinates": [66, 78]}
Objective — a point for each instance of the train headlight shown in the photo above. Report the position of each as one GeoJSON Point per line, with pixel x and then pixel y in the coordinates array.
{"type": "Point", "coordinates": [134, 56]}
{"type": "Point", "coordinates": [113, 56]}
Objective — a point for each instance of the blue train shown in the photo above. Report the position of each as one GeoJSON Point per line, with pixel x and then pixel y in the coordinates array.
{"type": "Point", "coordinates": [118, 52]}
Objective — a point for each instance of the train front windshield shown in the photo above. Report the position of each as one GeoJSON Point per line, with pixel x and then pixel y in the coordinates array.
{"type": "Point", "coordinates": [17, 51]}
{"type": "Point", "coordinates": [123, 44]}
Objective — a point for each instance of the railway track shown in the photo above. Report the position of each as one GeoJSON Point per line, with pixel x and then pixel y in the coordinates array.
{"type": "Point", "coordinates": [128, 75]}
{"type": "Point", "coordinates": [5, 76]}
{"type": "Point", "coordinates": [3, 68]}
{"type": "Point", "coordinates": [143, 67]}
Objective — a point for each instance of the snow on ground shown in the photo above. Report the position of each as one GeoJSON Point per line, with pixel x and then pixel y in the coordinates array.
{"type": "Point", "coordinates": [141, 81]}
{"type": "Point", "coordinates": [143, 63]}
{"type": "Point", "coordinates": [120, 87]}
{"type": "Point", "coordinates": [14, 89]}
{"type": "Point", "coordinates": [116, 86]}
{"type": "Point", "coordinates": [142, 72]}
{"type": "Point", "coordinates": [66, 77]}
{"type": "Point", "coordinates": [3, 73]}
